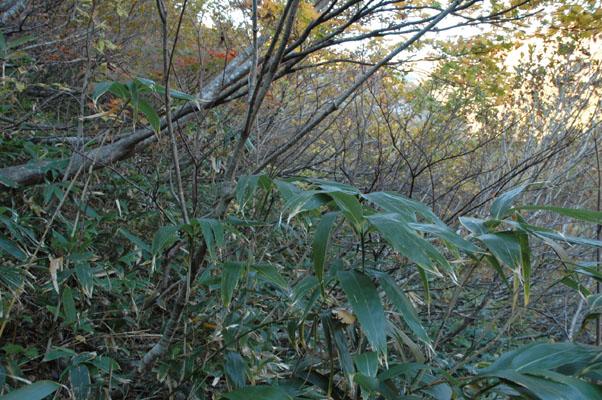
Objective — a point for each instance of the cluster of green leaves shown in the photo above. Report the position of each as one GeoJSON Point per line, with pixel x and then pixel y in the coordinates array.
{"type": "Point", "coordinates": [132, 91]}
{"type": "Point", "coordinates": [11, 58]}
{"type": "Point", "coordinates": [410, 228]}
{"type": "Point", "coordinates": [369, 355]}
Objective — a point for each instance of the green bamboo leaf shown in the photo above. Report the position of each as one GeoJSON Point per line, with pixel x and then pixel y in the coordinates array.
{"type": "Point", "coordinates": [260, 392]}
{"type": "Point", "coordinates": [69, 306]}
{"type": "Point", "coordinates": [367, 363]}
{"type": "Point", "coordinates": [342, 347]}
{"type": "Point", "coordinates": [592, 272]}
{"type": "Point", "coordinates": [79, 376]}
{"type": "Point", "coordinates": [536, 367]}
{"type": "Point", "coordinates": [36, 391]}
{"type": "Point", "coordinates": [424, 278]}
{"type": "Point", "coordinates": [575, 213]}
{"type": "Point", "coordinates": [121, 90]}
{"type": "Point", "coordinates": [231, 274]}
{"type": "Point", "coordinates": [235, 369]}
{"type": "Point", "coordinates": [135, 240]}
{"type": "Point", "coordinates": [286, 189]}
{"type": "Point", "coordinates": [164, 237]}
{"type": "Point", "coordinates": [12, 249]}
{"type": "Point", "coordinates": [100, 89]}
{"type": "Point", "coordinates": [106, 364]}
{"type": "Point", "coordinates": [594, 309]}
{"type": "Point", "coordinates": [367, 369]}
{"type": "Point", "coordinates": [445, 233]}
{"type": "Point", "coordinates": [396, 333]}
{"type": "Point", "coordinates": [84, 357]}
{"type": "Point", "coordinates": [334, 334]}
{"type": "Point", "coordinates": [405, 369]}
{"type": "Point", "coordinates": [396, 231]}
{"type": "Point", "coordinates": [364, 300]}
{"type": "Point", "coordinates": [539, 388]}
{"type": "Point", "coordinates": [149, 84]}
{"type": "Point", "coordinates": [152, 86]}
{"type": "Point", "coordinates": [582, 390]}
{"type": "Point", "coordinates": [308, 286]}
{"type": "Point", "coordinates": [332, 186]}
{"type": "Point", "coordinates": [6, 181]}
{"type": "Point", "coordinates": [177, 94]}
{"type": "Point", "coordinates": [320, 244]}
{"type": "Point", "coordinates": [213, 233]}
{"type": "Point", "coordinates": [150, 113]}
{"type": "Point", "coordinates": [87, 209]}
{"type": "Point", "coordinates": [118, 89]}
{"type": "Point", "coordinates": [270, 273]}
{"type": "Point", "coordinates": [502, 204]}
{"type": "Point", "coordinates": [3, 47]}
{"type": "Point", "coordinates": [545, 234]}
{"type": "Point", "coordinates": [368, 384]}
{"type": "Point", "coordinates": [58, 352]}
{"type": "Point", "coordinates": [350, 207]}
{"type": "Point", "coordinates": [512, 249]}
{"type": "Point", "coordinates": [83, 271]}
{"type": "Point", "coordinates": [494, 262]}
{"type": "Point", "coordinates": [133, 94]}
{"type": "Point", "coordinates": [544, 356]}
{"type": "Point", "coordinates": [476, 226]}
{"type": "Point", "coordinates": [440, 391]}
{"type": "Point", "coordinates": [505, 246]}
{"type": "Point", "coordinates": [549, 234]}
{"type": "Point", "coordinates": [575, 285]}
{"type": "Point", "coordinates": [302, 201]}
{"type": "Point", "coordinates": [247, 186]}
{"type": "Point", "coordinates": [404, 307]}
{"type": "Point", "coordinates": [525, 266]}
{"type": "Point", "coordinates": [12, 277]}
{"type": "Point", "coordinates": [408, 208]}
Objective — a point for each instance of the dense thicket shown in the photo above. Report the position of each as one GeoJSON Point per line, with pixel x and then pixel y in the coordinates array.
{"type": "Point", "coordinates": [291, 199]}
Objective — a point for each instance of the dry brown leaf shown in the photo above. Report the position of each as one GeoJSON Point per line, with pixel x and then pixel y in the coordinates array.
{"type": "Point", "coordinates": [343, 315]}
{"type": "Point", "coordinates": [56, 264]}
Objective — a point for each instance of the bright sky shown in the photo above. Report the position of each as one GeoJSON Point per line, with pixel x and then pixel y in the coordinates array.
{"type": "Point", "coordinates": [421, 66]}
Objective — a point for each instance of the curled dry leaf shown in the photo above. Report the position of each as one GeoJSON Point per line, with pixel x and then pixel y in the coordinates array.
{"type": "Point", "coordinates": [343, 315]}
{"type": "Point", "coordinates": [55, 265]}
